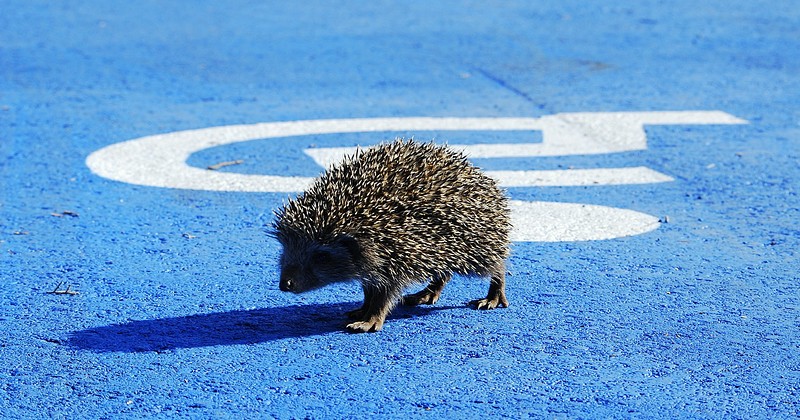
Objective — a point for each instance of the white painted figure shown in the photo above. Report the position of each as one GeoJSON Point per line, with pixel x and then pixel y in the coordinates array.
{"type": "Point", "coordinates": [160, 161]}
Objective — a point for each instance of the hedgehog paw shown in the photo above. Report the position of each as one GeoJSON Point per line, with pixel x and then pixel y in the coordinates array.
{"type": "Point", "coordinates": [423, 297]}
{"type": "Point", "coordinates": [364, 326]}
{"type": "Point", "coordinates": [490, 303]}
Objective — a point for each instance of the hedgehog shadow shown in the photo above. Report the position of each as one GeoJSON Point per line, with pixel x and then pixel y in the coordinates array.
{"type": "Point", "coordinates": [225, 328]}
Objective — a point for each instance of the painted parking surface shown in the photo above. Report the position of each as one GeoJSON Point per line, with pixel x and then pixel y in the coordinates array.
{"type": "Point", "coordinates": [138, 283]}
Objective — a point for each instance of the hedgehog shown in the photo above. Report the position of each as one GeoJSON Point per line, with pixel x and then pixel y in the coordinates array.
{"type": "Point", "coordinates": [398, 214]}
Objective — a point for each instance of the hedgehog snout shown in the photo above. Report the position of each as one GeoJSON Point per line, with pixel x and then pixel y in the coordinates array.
{"type": "Point", "coordinates": [288, 283]}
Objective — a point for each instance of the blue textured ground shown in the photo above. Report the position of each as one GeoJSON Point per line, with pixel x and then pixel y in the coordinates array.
{"type": "Point", "coordinates": [179, 311]}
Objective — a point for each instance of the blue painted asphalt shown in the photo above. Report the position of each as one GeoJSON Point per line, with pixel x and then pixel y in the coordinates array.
{"type": "Point", "coordinates": [178, 310]}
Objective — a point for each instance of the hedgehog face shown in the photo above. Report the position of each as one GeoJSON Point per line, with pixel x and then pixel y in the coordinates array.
{"type": "Point", "coordinates": [308, 265]}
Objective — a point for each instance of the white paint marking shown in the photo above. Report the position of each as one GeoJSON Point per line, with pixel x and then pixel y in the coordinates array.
{"type": "Point", "coordinates": [579, 177]}
{"type": "Point", "coordinates": [160, 161]}
{"type": "Point", "coordinates": [327, 157]}
{"type": "Point", "coordinates": [540, 221]}
{"type": "Point", "coordinates": [562, 134]}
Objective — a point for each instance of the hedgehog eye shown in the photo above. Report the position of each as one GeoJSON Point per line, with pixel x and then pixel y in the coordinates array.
{"type": "Point", "coordinates": [321, 258]}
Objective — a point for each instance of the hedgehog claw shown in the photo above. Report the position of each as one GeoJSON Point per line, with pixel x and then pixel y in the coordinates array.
{"type": "Point", "coordinates": [364, 326]}
{"type": "Point", "coordinates": [487, 303]}
{"type": "Point", "coordinates": [424, 297]}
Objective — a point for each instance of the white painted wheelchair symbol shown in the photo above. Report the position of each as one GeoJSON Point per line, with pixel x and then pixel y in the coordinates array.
{"type": "Point", "coordinates": [160, 161]}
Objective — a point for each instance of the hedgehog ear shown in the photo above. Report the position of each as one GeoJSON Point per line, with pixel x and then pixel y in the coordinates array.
{"type": "Point", "coordinates": [350, 244]}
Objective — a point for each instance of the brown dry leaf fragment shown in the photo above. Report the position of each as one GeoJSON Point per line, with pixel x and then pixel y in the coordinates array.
{"type": "Point", "coordinates": [216, 166]}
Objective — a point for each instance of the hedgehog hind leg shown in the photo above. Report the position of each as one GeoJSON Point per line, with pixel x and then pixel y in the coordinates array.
{"type": "Point", "coordinates": [430, 294]}
{"type": "Point", "coordinates": [497, 290]}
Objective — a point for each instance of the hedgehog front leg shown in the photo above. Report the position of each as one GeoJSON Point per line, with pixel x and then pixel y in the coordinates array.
{"type": "Point", "coordinates": [378, 302]}
{"type": "Point", "coordinates": [358, 314]}
{"type": "Point", "coordinates": [497, 290]}
{"type": "Point", "coordinates": [430, 294]}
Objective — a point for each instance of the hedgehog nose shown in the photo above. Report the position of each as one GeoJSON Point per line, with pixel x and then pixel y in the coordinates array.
{"type": "Point", "coordinates": [286, 284]}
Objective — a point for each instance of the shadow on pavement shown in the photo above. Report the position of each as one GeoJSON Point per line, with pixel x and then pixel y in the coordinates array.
{"type": "Point", "coordinates": [223, 328]}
